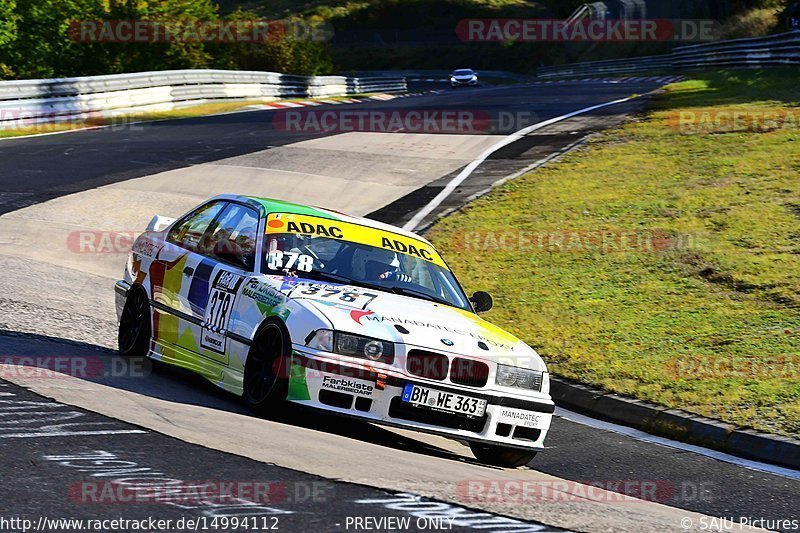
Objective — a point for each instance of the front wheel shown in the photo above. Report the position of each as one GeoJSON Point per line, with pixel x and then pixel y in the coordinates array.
{"type": "Point", "coordinates": [133, 337]}
{"type": "Point", "coordinates": [494, 455]}
{"type": "Point", "coordinates": [266, 373]}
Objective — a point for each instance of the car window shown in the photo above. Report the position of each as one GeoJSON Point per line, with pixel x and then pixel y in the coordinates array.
{"type": "Point", "coordinates": [315, 257]}
{"type": "Point", "coordinates": [188, 232]}
{"type": "Point", "coordinates": [232, 238]}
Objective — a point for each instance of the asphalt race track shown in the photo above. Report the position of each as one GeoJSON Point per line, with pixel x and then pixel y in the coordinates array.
{"type": "Point", "coordinates": [302, 471]}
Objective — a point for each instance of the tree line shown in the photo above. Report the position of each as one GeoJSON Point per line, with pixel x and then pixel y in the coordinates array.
{"type": "Point", "coordinates": [38, 40]}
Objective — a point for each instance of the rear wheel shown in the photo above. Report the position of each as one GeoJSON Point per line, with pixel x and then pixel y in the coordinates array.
{"type": "Point", "coordinates": [491, 454]}
{"type": "Point", "coordinates": [133, 337]}
{"type": "Point", "coordinates": [266, 373]}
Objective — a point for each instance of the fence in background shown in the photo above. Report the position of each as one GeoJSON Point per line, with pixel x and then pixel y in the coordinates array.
{"type": "Point", "coordinates": [771, 51]}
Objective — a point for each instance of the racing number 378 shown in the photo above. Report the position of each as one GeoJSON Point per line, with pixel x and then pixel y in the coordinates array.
{"type": "Point", "coordinates": [218, 308]}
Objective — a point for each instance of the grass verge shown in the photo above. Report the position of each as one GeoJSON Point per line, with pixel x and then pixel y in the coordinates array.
{"type": "Point", "coordinates": [663, 260]}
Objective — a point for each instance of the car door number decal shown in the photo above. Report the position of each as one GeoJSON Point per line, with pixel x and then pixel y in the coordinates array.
{"type": "Point", "coordinates": [218, 311]}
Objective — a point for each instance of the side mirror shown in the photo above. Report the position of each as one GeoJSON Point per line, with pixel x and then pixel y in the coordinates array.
{"type": "Point", "coordinates": [481, 301]}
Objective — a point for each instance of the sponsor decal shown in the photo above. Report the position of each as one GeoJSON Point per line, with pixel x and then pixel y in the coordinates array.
{"type": "Point", "coordinates": [526, 419]}
{"type": "Point", "coordinates": [431, 325]}
{"type": "Point", "coordinates": [350, 386]}
{"type": "Point", "coordinates": [263, 293]}
{"type": "Point", "coordinates": [288, 284]}
{"type": "Point", "coordinates": [350, 232]}
{"type": "Point", "coordinates": [409, 249]}
{"type": "Point", "coordinates": [357, 315]}
{"type": "Point", "coordinates": [145, 247]}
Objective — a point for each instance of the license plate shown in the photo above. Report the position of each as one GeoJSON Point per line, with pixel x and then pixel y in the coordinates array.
{"type": "Point", "coordinates": [443, 401]}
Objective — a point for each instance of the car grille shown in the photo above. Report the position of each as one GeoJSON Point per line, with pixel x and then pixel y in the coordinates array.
{"type": "Point", "coordinates": [427, 365]}
{"type": "Point", "coordinates": [469, 372]}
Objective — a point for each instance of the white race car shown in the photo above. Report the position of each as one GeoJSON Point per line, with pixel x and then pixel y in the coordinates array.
{"type": "Point", "coordinates": [465, 76]}
{"type": "Point", "coordinates": [279, 302]}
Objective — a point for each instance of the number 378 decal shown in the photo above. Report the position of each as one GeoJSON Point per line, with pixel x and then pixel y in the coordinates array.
{"type": "Point", "coordinates": [278, 260]}
{"type": "Point", "coordinates": [220, 304]}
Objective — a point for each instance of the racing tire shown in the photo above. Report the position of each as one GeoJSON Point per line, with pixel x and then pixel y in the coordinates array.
{"type": "Point", "coordinates": [501, 456]}
{"type": "Point", "coordinates": [266, 373]}
{"type": "Point", "coordinates": [133, 336]}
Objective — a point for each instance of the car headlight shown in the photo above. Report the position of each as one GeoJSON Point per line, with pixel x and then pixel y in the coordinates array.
{"type": "Point", "coordinates": [522, 378]}
{"type": "Point", "coordinates": [322, 340]}
{"type": "Point", "coordinates": [352, 345]}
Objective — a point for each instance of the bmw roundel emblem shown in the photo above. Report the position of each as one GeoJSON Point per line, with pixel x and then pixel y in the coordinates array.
{"type": "Point", "coordinates": [447, 342]}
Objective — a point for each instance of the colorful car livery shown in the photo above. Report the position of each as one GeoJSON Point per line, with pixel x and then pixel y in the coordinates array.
{"type": "Point", "coordinates": [278, 302]}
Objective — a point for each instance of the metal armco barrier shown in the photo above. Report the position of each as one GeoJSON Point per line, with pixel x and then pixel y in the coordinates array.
{"type": "Point", "coordinates": [28, 102]}
{"type": "Point", "coordinates": [771, 51]}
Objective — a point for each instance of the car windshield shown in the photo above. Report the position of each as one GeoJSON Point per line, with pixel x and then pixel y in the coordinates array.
{"type": "Point", "coordinates": [463, 73]}
{"type": "Point", "coordinates": [361, 256]}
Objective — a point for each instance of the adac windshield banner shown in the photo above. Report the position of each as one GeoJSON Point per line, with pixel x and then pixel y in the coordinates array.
{"type": "Point", "coordinates": [347, 231]}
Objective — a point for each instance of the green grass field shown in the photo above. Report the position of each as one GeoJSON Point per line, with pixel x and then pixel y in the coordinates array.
{"type": "Point", "coordinates": [660, 261]}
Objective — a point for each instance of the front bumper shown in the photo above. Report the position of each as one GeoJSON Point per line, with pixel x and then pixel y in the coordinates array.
{"type": "Point", "coordinates": [326, 382]}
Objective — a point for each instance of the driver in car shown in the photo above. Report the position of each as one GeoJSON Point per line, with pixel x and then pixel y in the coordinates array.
{"type": "Point", "coordinates": [373, 264]}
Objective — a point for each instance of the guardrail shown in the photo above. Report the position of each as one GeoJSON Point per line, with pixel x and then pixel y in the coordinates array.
{"type": "Point", "coordinates": [770, 51]}
{"type": "Point", "coordinates": [29, 102]}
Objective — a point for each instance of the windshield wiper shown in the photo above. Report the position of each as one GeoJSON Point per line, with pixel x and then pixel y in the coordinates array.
{"type": "Point", "coordinates": [405, 291]}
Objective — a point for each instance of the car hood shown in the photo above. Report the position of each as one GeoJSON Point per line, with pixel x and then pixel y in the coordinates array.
{"type": "Point", "coordinates": [423, 324]}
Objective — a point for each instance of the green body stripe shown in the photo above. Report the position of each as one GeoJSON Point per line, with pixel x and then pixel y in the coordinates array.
{"type": "Point", "coordinates": [298, 388]}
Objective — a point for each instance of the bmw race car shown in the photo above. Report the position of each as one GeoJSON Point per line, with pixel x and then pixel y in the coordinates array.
{"type": "Point", "coordinates": [275, 302]}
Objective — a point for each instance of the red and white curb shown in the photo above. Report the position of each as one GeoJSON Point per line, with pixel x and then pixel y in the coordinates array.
{"type": "Point", "coordinates": [646, 79]}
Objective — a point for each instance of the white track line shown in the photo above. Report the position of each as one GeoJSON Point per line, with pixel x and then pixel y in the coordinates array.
{"type": "Point", "coordinates": [415, 221]}
{"type": "Point", "coordinates": [646, 437]}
